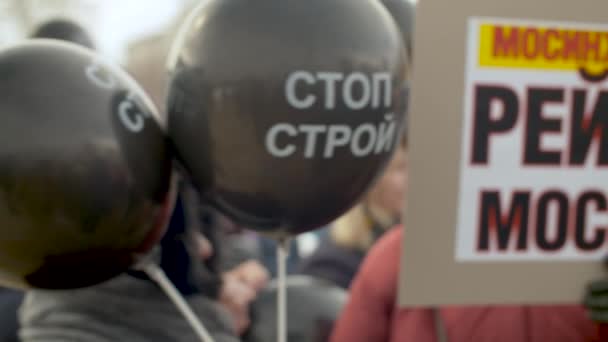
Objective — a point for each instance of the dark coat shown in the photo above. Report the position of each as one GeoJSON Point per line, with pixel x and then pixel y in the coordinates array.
{"type": "Point", "coordinates": [333, 263]}
{"type": "Point", "coordinates": [9, 304]}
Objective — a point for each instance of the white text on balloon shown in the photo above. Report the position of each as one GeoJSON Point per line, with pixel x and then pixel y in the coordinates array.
{"type": "Point", "coordinates": [364, 140]}
{"type": "Point", "coordinates": [373, 89]}
{"type": "Point", "coordinates": [128, 112]}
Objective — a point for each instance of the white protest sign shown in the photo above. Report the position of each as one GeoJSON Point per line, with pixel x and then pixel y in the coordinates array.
{"type": "Point", "coordinates": [536, 153]}
{"type": "Point", "coordinates": [508, 153]}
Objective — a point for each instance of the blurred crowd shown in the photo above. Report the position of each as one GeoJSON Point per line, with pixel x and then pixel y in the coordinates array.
{"type": "Point", "coordinates": [223, 268]}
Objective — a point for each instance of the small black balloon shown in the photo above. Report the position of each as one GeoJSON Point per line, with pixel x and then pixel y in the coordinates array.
{"type": "Point", "coordinates": [65, 30]}
{"type": "Point", "coordinates": [284, 112]}
{"type": "Point", "coordinates": [313, 306]}
{"type": "Point", "coordinates": [85, 169]}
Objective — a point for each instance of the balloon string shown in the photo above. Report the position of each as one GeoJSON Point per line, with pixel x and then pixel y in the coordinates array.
{"type": "Point", "coordinates": [442, 335]}
{"type": "Point", "coordinates": [282, 254]}
{"type": "Point", "coordinates": [158, 275]}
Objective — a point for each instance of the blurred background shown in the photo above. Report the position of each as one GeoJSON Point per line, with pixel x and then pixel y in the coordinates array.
{"type": "Point", "coordinates": [115, 24]}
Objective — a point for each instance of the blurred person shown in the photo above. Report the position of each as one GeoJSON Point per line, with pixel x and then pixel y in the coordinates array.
{"type": "Point", "coordinates": [239, 245]}
{"type": "Point", "coordinates": [9, 303]}
{"type": "Point", "coordinates": [343, 248]}
{"type": "Point", "coordinates": [64, 29]}
{"type": "Point", "coordinates": [372, 315]}
{"type": "Point", "coordinates": [241, 287]}
{"type": "Point", "coordinates": [133, 308]}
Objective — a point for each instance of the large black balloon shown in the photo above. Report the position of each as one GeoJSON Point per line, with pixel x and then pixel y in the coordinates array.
{"type": "Point", "coordinates": [85, 170]}
{"type": "Point", "coordinates": [252, 121]}
{"type": "Point", "coordinates": [404, 14]}
{"type": "Point", "coordinates": [313, 306]}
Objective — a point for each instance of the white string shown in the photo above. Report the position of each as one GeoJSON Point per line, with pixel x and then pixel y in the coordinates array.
{"type": "Point", "coordinates": [282, 254]}
{"type": "Point", "coordinates": [158, 275]}
{"type": "Point", "coordinates": [440, 330]}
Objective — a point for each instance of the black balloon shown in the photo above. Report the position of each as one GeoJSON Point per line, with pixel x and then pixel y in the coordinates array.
{"type": "Point", "coordinates": [313, 306]}
{"type": "Point", "coordinates": [284, 112]}
{"type": "Point", "coordinates": [85, 169]}
{"type": "Point", "coordinates": [404, 13]}
{"type": "Point", "coordinates": [63, 29]}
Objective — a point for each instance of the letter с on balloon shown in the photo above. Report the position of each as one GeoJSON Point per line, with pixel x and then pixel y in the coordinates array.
{"type": "Point", "coordinates": [128, 113]}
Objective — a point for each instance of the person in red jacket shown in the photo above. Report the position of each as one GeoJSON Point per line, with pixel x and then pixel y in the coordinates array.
{"type": "Point", "coordinates": [371, 314]}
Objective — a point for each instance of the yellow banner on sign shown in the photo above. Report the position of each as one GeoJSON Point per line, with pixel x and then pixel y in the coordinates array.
{"type": "Point", "coordinates": [551, 48]}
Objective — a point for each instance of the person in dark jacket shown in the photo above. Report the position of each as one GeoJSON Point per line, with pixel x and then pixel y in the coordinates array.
{"type": "Point", "coordinates": [9, 303]}
{"type": "Point", "coordinates": [342, 250]}
{"type": "Point", "coordinates": [133, 308]}
{"type": "Point", "coordinates": [65, 30]}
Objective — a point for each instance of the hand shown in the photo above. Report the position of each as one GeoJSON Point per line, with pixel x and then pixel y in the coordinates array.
{"type": "Point", "coordinates": [597, 300]}
{"type": "Point", "coordinates": [202, 247]}
{"type": "Point", "coordinates": [252, 274]}
{"type": "Point", "coordinates": [240, 288]}
{"type": "Point", "coordinates": [236, 297]}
